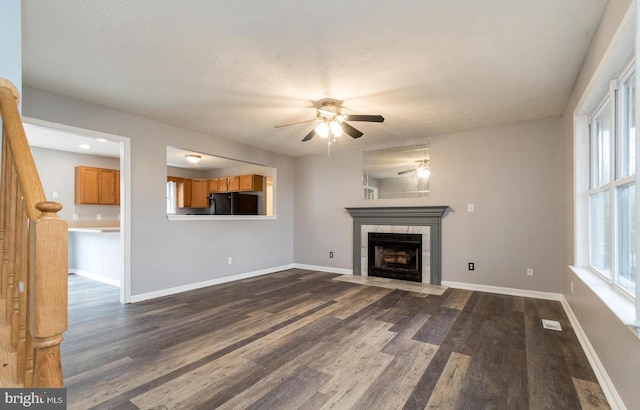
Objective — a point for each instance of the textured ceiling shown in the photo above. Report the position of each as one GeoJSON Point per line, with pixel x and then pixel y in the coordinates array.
{"type": "Point", "coordinates": [234, 69]}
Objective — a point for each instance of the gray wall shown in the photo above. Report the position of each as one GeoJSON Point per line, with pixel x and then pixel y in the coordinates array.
{"type": "Point", "coordinates": [10, 46]}
{"type": "Point", "coordinates": [166, 254]}
{"type": "Point", "coordinates": [512, 175]}
{"type": "Point", "coordinates": [617, 348]}
{"type": "Point", "coordinates": [57, 173]}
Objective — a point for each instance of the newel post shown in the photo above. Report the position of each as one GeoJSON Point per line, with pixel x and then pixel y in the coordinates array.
{"type": "Point", "coordinates": [48, 293]}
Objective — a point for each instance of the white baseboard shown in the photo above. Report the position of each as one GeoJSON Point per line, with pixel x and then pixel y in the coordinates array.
{"type": "Point", "coordinates": [192, 286]}
{"type": "Point", "coordinates": [504, 291]}
{"type": "Point", "coordinates": [96, 277]}
{"type": "Point", "coordinates": [610, 392]}
{"type": "Point", "coordinates": [324, 269]}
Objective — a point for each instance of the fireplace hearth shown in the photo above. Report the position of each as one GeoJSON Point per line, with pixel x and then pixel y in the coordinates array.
{"type": "Point", "coordinates": [395, 256]}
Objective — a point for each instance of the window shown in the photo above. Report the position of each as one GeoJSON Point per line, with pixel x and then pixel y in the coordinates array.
{"type": "Point", "coordinates": [172, 197]}
{"type": "Point", "coordinates": [612, 181]}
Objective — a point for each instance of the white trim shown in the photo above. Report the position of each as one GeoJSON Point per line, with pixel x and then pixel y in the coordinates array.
{"type": "Point", "coordinates": [504, 291]}
{"type": "Point", "coordinates": [608, 388]}
{"type": "Point", "coordinates": [192, 286]}
{"type": "Point", "coordinates": [207, 217]}
{"type": "Point", "coordinates": [328, 269]}
{"type": "Point", "coordinates": [96, 277]}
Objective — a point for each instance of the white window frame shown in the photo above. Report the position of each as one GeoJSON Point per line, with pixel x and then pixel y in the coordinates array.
{"type": "Point", "coordinates": [614, 105]}
{"type": "Point", "coordinates": [616, 61]}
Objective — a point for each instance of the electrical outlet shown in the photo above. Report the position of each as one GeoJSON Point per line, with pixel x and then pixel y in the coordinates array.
{"type": "Point", "coordinates": [472, 266]}
{"type": "Point", "coordinates": [229, 260]}
{"type": "Point", "coordinates": [75, 217]}
{"type": "Point", "coordinates": [470, 207]}
{"type": "Point", "coordinates": [331, 254]}
{"type": "Point", "coordinates": [529, 271]}
{"type": "Point", "coordinates": [99, 217]}
{"type": "Point", "coordinates": [54, 194]}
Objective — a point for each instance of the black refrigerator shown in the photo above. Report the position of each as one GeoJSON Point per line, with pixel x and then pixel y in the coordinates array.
{"type": "Point", "coordinates": [221, 204]}
{"type": "Point", "coordinates": [234, 204]}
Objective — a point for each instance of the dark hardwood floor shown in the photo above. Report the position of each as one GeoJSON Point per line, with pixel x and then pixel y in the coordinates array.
{"type": "Point", "coordinates": [298, 339]}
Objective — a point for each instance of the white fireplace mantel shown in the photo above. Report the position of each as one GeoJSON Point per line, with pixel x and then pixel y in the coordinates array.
{"type": "Point", "coordinates": [409, 216]}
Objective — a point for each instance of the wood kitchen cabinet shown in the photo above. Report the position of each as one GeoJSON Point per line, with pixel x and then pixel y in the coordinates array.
{"type": "Point", "coordinates": [97, 186]}
{"type": "Point", "coordinates": [222, 185]}
{"type": "Point", "coordinates": [233, 184]}
{"type": "Point", "coordinates": [184, 192]}
{"type": "Point", "coordinates": [191, 193]}
{"type": "Point", "coordinates": [107, 186]}
{"type": "Point", "coordinates": [250, 182]}
{"type": "Point", "coordinates": [199, 193]}
{"type": "Point", "coordinates": [218, 185]}
{"type": "Point", "coordinates": [213, 186]}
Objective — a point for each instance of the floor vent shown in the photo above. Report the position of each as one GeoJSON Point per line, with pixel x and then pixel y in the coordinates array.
{"type": "Point", "coordinates": [551, 325]}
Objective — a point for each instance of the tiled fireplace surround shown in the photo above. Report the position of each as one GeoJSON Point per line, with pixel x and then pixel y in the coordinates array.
{"type": "Point", "coordinates": [425, 220]}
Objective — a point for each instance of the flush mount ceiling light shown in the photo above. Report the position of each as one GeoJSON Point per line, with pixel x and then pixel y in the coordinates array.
{"type": "Point", "coordinates": [84, 146]}
{"type": "Point", "coordinates": [194, 159]}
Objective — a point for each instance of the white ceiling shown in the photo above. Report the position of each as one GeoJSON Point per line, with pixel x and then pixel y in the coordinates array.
{"type": "Point", "coordinates": [46, 137]}
{"type": "Point", "coordinates": [234, 69]}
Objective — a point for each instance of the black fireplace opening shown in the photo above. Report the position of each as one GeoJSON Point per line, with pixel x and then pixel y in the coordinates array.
{"type": "Point", "coordinates": [395, 256]}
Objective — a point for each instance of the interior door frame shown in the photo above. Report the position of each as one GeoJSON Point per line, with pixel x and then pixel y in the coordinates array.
{"type": "Point", "coordinates": [125, 193]}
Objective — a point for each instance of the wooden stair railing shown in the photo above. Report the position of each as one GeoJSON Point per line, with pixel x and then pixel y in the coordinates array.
{"type": "Point", "coordinates": [33, 270]}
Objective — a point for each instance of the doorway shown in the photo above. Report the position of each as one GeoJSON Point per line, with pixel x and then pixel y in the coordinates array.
{"type": "Point", "coordinates": [78, 147]}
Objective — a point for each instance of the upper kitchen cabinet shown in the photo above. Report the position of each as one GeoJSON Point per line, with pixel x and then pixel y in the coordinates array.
{"type": "Point", "coordinates": [250, 182]}
{"type": "Point", "coordinates": [190, 193]}
{"type": "Point", "coordinates": [199, 193]}
{"type": "Point", "coordinates": [97, 186]}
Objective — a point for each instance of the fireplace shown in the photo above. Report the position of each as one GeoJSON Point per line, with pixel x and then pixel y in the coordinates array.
{"type": "Point", "coordinates": [395, 256]}
{"type": "Point", "coordinates": [424, 221]}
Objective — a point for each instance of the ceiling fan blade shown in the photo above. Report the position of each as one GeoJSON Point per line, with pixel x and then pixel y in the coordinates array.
{"type": "Point", "coordinates": [309, 135]}
{"type": "Point", "coordinates": [294, 123]}
{"type": "Point", "coordinates": [368, 118]}
{"type": "Point", "coordinates": [348, 129]}
{"type": "Point", "coordinates": [406, 172]}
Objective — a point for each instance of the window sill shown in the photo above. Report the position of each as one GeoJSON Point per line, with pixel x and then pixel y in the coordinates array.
{"type": "Point", "coordinates": [205, 217]}
{"type": "Point", "coordinates": [623, 306]}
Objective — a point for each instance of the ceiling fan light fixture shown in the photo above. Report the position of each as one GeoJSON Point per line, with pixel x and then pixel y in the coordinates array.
{"type": "Point", "coordinates": [336, 128]}
{"type": "Point", "coordinates": [322, 129]}
{"type": "Point", "coordinates": [423, 172]}
{"type": "Point", "coordinates": [193, 159]}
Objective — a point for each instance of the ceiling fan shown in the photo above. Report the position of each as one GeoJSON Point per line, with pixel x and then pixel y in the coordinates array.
{"type": "Point", "coordinates": [333, 122]}
{"type": "Point", "coordinates": [421, 169]}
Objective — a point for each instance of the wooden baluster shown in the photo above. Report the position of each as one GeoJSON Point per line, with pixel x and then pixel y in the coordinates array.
{"type": "Point", "coordinates": [28, 343]}
{"type": "Point", "coordinates": [3, 194]}
{"type": "Point", "coordinates": [14, 263]}
{"type": "Point", "coordinates": [48, 293]}
{"type": "Point", "coordinates": [20, 291]}
{"type": "Point", "coordinates": [10, 233]}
